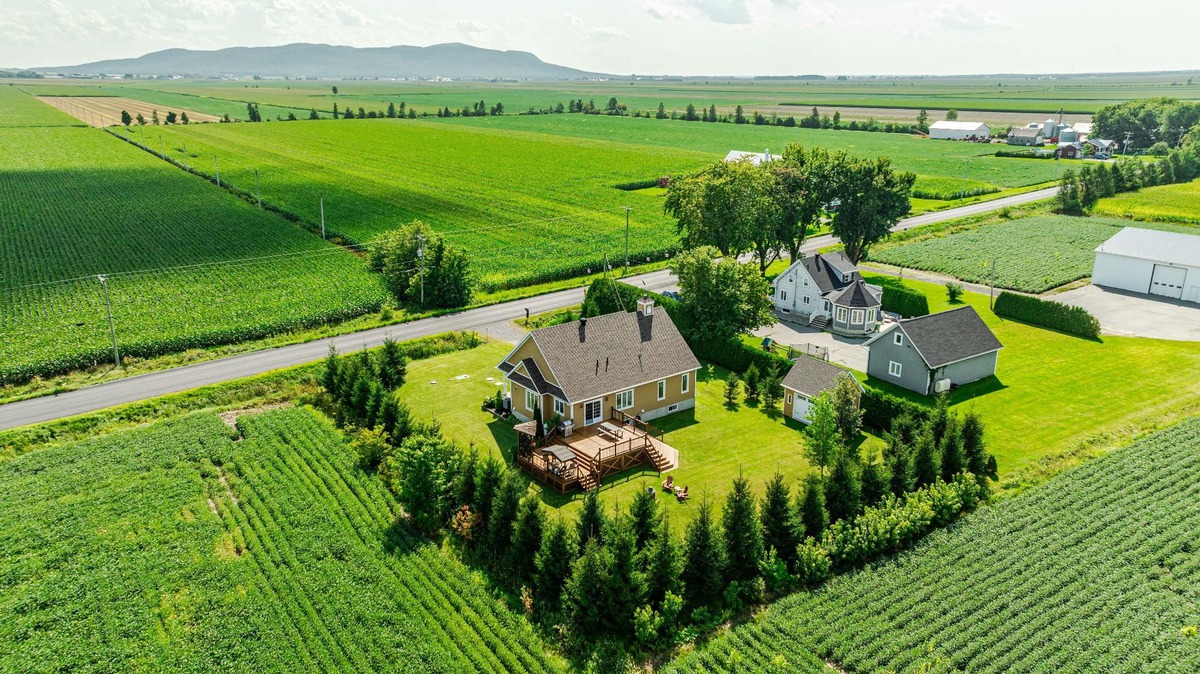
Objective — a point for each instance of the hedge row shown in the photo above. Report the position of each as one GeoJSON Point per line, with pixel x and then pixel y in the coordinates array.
{"type": "Point", "coordinates": [880, 408]}
{"type": "Point", "coordinates": [1048, 314]}
{"type": "Point", "coordinates": [905, 301]}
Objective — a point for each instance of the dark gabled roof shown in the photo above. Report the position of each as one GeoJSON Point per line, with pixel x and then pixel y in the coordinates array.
{"type": "Point", "coordinates": [535, 381]}
{"type": "Point", "coordinates": [613, 352]}
{"type": "Point", "coordinates": [826, 270]}
{"type": "Point", "coordinates": [856, 296]}
{"type": "Point", "coordinates": [811, 376]}
{"type": "Point", "coordinates": [950, 336]}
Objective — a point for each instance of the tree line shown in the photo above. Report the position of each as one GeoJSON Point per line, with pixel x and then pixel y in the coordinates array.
{"type": "Point", "coordinates": [620, 580]}
{"type": "Point", "coordinates": [1148, 122]}
{"type": "Point", "coordinates": [1079, 191]}
{"type": "Point", "coordinates": [769, 208]}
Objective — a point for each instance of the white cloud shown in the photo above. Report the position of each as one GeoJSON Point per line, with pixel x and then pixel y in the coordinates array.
{"type": "Point", "coordinates": [596, 33]}
{"type": "Point", "coordinates": [724, 11]}
{"type": "Point", "coordinates": [959, 15]}
{"type": "Point", "coordinates": [664, 10]}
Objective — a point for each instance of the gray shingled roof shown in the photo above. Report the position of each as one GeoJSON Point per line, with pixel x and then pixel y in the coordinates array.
{"type": "Point", "coordinates": [856, 296]}
{"type": "Point", "coordinates": [811, 376]}
{"type": "Point", "coordinates": [536, 380]}
{"type": "Point", "coordinates": [950, 336]}
{"type": "Point", "coordinates": [613, 352]}
{"type": "Point", "coordinates": [828, 277]}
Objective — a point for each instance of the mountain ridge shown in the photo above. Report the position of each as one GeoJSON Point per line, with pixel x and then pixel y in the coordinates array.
{"type": "Point", "coordinates": [302, 59]}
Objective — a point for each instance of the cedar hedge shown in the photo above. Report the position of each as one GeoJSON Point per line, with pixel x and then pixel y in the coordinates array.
{"type": "Point", "coordinates": [905, 301]}
{"type": "Point", "coordinates": [1048, 314]}
{"type": "Point", "coordinates": [880, 408]}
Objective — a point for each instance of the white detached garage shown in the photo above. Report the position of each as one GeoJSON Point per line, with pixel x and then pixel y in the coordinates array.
{"type": "Point", "coordinates": [1152, 262]}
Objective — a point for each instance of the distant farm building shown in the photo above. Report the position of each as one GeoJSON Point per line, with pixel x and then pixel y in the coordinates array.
{"type": "Point", "coordinates": [1101, 148]}
{"type": "Point", "coordinates": [1070, 150]}
{"type": "Point", "coordinates": [1068, 134]}
{"type": "Point", "coordinates": [947, 130]}
{"type": "Point", "coordinates": [1030, 136]}
{"type": "Point", "coordinates": [1147, 261]}
{"type": "Point", "coordinates": [755, 158]}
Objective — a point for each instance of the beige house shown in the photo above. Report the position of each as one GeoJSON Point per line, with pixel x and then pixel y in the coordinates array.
{"type": "Point", "coordinates": [631, 362]}
{"type": "Point", "coordinates": [808, 379]}
{"type": "Point", "coordinates": [600, 380]}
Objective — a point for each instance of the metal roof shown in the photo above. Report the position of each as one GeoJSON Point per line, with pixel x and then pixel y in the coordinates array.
{"type": "Point", "coordinates": [959, 126]}
{"type": "Point", "coordinates": [755, 158]}
{"type": "Point", "coordinates": [1150, 244]}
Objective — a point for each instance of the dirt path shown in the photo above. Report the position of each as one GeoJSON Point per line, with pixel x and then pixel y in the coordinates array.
{"type": "Point", "coordinates": [101, 111]}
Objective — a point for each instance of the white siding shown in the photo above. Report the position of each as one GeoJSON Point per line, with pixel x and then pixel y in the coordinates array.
{"type": "Point", "coordinates": [1122, 273]}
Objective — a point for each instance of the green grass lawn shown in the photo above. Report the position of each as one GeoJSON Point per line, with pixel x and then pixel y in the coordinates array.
{"type": "Point", "coordinates": [715, 443]}
{"type": "Point", "coordinates": [1056, 397]}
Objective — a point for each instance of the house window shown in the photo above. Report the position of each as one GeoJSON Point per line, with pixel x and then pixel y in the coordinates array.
{"type": "Point", "coordinates": [783, 294]}
{"type": "Point", "coordinates": [662, 389]}
{"type": "Point", "coordinates": [806, 299]}
{"type": "Point", "coordinates": [841, 314]}
{"type": "Point", "coordinates": [625, 399]}
{"type": "Point", "coordinates": [894, 368]}
{"type": "Point", "coordinates": [560, 408]}
{"type": "Point", "coordinates": [856, 316]}
{"type": "Point", "coordinates": [870, 315]}
{"type": "Point", "coordinates": [530, 399]}
{"type": "Point", "coordinates": [789, 399]}
{"type": "Point", "coordinates": [685, 382]}
{"type": "Point", "coordinates": [898, 338]}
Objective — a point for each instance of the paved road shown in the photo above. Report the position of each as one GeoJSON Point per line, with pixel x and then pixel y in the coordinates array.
{"type": "Point", "coordinates": [154, 384]}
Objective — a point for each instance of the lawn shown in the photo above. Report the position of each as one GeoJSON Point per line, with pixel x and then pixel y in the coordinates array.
{"type": "Point", "coordinates": [715, 443]}
{"type": "Point", "coordinates": [1094, 571]}
{"type": "Point", "coordinates": [1055, 395]}
{"type": "Point", "coordinates": [1165, 203]}
{"type": "Point", "coordinates": [1032, 254]}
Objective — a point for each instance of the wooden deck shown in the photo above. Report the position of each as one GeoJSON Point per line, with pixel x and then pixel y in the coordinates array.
{"type": "Point", "coordinates": [598, 455]}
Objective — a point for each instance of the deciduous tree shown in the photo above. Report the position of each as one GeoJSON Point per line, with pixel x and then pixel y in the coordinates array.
{"type": "Point", "coordinates": [722, 298]}
{"type": "Point", "coordinates": [873, 198]}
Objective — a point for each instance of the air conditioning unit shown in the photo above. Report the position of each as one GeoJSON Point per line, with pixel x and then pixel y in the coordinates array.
{"type": "Point", "coordinates": [941, 386]}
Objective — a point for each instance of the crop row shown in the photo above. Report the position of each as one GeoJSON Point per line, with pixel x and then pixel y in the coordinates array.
{"type": "Point", "coordinates": [1093, 571]}
{"type": "Point", "coordinates": [1165, 203]}
{"type": "Point", "coordinates": [1031, 254]}
{"type": "Point", "coordinates": [77, 203]}
{"type": "Point", "coordinates": [183, 551]}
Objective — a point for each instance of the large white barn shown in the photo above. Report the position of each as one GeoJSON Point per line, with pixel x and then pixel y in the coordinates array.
{"type": "Point", "coordinates": [1152, 262]}
{"type": "Point", "coordinates": [945, 130]}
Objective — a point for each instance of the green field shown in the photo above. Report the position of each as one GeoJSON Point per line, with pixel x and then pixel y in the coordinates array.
{"type": "Point", "coordinates": [1032, 254]}
{"type": "Point", "coordinates": [77, 202]}
{"type": "Point", "coordinates": [1166, 203]}
{"type": "Point", "coordinates": [18, 109]}
{"type": "Point", "coordinates": [1038, 97]}
{"type": "Point", "coordinates": [528, 207]}
{"type": "Point", "coordinates": [175, 547]}
{"type": "Point", "coordinates": [1096, 570]}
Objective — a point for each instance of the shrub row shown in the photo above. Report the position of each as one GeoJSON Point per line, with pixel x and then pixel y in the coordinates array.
{"type": "Point", "coordinates": [879, 409]}
{"type": "Point", "coordinates": [635, 185]}
{"type": "Point", "coordinates": [904, 301]}
{"type": "Point", "coordinates": [1025, 154]}
{"type": "Point", "coordinates": [950, 195]}
{"type": "Point", "coordinates": [1048, 314]}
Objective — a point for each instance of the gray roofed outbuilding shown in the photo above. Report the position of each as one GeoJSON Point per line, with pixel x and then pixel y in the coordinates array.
{"type": "Point", "coordinates": [812, 377]}
{"type": "Point", "coordinates": [949, 336]}
{"type": "Point", "coordinates": [614, 352]}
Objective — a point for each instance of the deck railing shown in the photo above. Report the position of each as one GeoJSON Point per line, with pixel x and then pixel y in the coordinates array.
{"type": "Point", "coordinates": [630, 420]}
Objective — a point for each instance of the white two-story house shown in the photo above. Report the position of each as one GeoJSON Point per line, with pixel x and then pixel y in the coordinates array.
{"type": "Point", "coordinates": [826, 291]}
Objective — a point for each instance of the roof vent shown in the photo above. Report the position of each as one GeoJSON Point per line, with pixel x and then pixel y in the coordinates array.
{"type": "Point", "coordinates": [645, 305]}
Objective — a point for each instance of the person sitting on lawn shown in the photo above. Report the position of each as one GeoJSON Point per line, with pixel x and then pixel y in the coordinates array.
{"type": "Point", "coordinates": [669, 483]}
{"type": "Point", "coordinates": [681, 494]}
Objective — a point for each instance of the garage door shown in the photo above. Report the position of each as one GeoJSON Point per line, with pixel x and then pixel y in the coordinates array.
{"type": "Point", "coordinates": [800, 409]}
{"type": "Point", "coordinates": [1167, 281]}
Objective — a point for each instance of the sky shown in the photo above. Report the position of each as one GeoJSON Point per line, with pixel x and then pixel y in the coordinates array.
{"type": "Point", "coordinates": [678, 37]}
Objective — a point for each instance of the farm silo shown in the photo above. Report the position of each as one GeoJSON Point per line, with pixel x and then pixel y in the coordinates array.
{"type": "Point", "coordinates": [1068, 134]}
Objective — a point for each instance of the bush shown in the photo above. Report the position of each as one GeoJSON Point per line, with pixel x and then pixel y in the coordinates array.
{"type": "Point", "coordinates": [1048, 314]}
{"type": "Point", "coordinates": [880, 408]}
{"type": "Point", "coordinates": [900, 299]}
{"type": "Point", "coordinates": [954, 292]}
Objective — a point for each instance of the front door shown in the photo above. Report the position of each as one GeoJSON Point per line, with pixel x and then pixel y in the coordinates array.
{"type": "Point", "coordinates": [593, 412]}
{"type": "Point", "coordinates": [1167, 281]}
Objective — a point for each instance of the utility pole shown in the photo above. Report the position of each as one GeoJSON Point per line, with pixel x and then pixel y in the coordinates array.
{"type": "Point", "coordinates": [627, 210]}
{"type": "Point", "coordinates": [257, 189]}
{"type": "Point", "coordinates": [217, 169]}
{"type": "Point", "coordinates": [112, 330]}
{"type": "Point", "coordinates": [1125, 147]}
{"type": "Point", "coordinates": [421, 258]}
{"type": "Point", "coordinates": [322, 215]}
{"type": "Point", "coordinates": [992, 287]}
